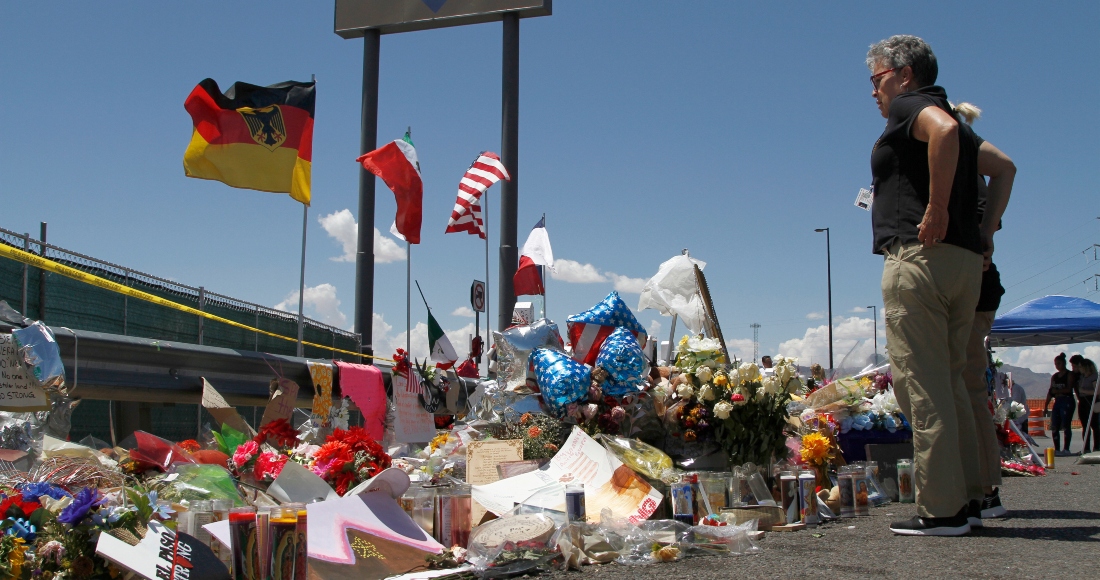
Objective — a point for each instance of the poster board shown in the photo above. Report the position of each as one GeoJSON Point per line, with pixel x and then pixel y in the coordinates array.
{"type": "Point", "coordinates": [482, 459]}
{"type": "Point", "coordinates": [18, 392]}
{"type": "Point", "coordinates": [412, 424]}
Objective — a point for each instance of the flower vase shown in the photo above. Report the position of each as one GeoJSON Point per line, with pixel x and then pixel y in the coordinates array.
{"type": "Point", "coordinates": [821, 475]}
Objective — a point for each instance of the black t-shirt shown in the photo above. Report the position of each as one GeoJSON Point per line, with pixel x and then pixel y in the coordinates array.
{"type": "Point", "coordinates": [899, 165]}
{"type": "Point", "coordinates": [990, 298]}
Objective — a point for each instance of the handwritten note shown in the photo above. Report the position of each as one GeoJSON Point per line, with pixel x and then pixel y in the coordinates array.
{"type": "Point", "coordinates": [17, 391]}
{"type": "Point", "coordinates": [482, 459]}
{"type": "Point", "coordinates": [412, 424]}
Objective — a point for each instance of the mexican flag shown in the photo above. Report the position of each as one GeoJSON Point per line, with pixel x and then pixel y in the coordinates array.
{"type": "Point", "coordinates": [397, 165]}
{"type": "Point", "coordinates": [443, 354]}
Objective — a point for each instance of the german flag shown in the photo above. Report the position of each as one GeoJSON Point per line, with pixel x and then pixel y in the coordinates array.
{"type": "Point", "coordinates": [253, 137]}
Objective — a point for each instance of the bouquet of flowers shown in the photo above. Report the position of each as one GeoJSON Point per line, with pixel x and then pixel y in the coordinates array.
{"type": "Point", "coordinates": [348, 458]}
{"type": "Point", "coordinates": [737, 408]}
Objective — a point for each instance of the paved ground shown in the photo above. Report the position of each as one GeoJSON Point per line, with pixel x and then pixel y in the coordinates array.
{"type": "Point", "coordinates": [1052, 531]}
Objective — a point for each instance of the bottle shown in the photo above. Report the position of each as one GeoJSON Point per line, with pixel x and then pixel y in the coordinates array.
{"type": "Point", "coordinates": [846, 482]}
{"type": "Point", "coordinates": [683, 499]}
{"type": "Point", "coordinates": [807, 493]}
{"type": "Point", "coordinates": [263, 539]}
{"type": "Point", "coordinates": [242, 543]}
{"type": "Point", "coordinates": [283, 542]}
{"type": "Point", "coordinates": [574, 502]}
{"type": "Point", "coordinates": [788, 494]}
{"type": "Point", "coordinates": [301, 563]}
{"type": "Point", "coordinates": [905, 481]}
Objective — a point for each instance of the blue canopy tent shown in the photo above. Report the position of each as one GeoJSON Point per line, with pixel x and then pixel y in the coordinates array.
{"type": "Point", "coordinates": [1048, 320]}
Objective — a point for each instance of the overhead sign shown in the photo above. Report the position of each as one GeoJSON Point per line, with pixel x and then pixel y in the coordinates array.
{"type": "Point", "coordinates": [390, 16]}
{"type": "Point", "coordinates": [477, 296]}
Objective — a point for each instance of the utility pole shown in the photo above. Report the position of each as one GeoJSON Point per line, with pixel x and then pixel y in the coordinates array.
{"type": "Point", "coordinates": [755, 341]}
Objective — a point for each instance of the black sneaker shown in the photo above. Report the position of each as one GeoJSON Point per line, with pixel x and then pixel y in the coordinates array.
{"type": "Point", "coordinates": [991, 505]}
{"type": "Point", "coordinates": [974, 514]}
{"type": "Point", "coordinates": [956, 525]}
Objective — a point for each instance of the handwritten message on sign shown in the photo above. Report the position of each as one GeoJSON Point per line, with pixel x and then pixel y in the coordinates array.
{"type": "Point", "coordinates": [17, 391]}
{"type": "Point", "coordinates": [412, 424]}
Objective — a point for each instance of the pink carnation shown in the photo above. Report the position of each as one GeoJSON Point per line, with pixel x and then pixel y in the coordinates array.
{"type": "Point", "coordinates": [245, 453]}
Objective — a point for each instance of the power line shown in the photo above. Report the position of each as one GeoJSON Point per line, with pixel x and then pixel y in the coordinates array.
{"type": "Point", "coordinates": [1047, 270]}
{"type": "Point", "coordinates": [1075, 230]}
{"type": "Point", "coordinates": [1054, 284]}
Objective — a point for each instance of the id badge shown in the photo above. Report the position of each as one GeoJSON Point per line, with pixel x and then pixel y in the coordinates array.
{"type": "Point", "coordinates": [865, 198]}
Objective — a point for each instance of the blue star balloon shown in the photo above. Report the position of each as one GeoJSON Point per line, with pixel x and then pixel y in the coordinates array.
{"type": "Point", "coordinates": [562, 380]}
{"type": "Point", "coordinates": [621, 356]}
{"type": "Point", "coordinates": [590, 328]}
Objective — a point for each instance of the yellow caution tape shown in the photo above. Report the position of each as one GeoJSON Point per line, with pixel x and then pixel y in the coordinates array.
{"type": "Point", "coordinates": [51, 266]}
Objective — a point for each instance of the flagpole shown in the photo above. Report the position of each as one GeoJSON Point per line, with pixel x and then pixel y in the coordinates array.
{"type": "Point", "coordinates": [302, 274]}
{"type": "Point", "coordinates": [544, 279]}
{"type": "Point", "coordinates": [302, 279]}
{"type": "Point", "coordinates": [408, 302]}
{"type": "Point", "coordinates": [488, 316]}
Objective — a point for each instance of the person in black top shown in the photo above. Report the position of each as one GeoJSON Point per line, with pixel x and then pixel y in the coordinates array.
{"type": "Point", "coordinates": [1062, 386]}
{"type": "Point", "coordinates": [985, 449]}
{"type": "Point", "coordinates": [925, 222]}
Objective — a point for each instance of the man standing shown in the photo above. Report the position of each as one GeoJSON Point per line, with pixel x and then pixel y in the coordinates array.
{"type": "Point", "coordinates": [925, 223]}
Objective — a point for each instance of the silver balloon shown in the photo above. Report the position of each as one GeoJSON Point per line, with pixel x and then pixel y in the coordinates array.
{"type": "Point", "coordinates": [514, 346]}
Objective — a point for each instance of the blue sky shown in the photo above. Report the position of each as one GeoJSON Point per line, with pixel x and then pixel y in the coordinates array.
{"type": "Point", "coordinates": [727, 128]}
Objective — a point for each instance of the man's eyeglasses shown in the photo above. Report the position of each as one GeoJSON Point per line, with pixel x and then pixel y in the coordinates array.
{"type": "Point", "coordinates": [877, 78]}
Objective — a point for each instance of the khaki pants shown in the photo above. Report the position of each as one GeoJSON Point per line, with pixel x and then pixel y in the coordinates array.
{"type": "Point", "coordinates": [929, 295]}
{"type": "Point", "coordinates": [985, 441]}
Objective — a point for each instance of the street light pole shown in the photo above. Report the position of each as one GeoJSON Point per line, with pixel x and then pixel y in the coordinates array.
{"type": "Point", "coordinates": [874, 314]}
{"type": "Point", "coordinates": [829, 278]}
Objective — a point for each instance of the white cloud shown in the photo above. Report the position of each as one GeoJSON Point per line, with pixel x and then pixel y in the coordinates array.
{"type": "Point", "coordinates": [341, 226]}
{"type": "Point", "coordinates": [852, 344]}
{"type": "Point", "coordinates": [627, 284]}
{"type": "Point", "coordinates": [320, 304]}
{"type": "Point", "coordinates": [655, 329]}
{"type": "Point", "coordinates": [815, 316]}
{"type": "Point", "coordinates": [576, 272]}
{"type": "Point", "coordinates": [463, 311]}
{"type": "Point", "coordinates": [741, 348]}
{"type": "Point", "coordinates": [1040, 359]}
{"type": "Point", "coordinates": [860, 310]}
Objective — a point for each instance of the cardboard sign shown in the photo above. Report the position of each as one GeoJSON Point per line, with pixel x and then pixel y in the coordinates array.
{"type": "Point", "coordinates": [163, 555]}
{"type": "Point", "coordinates": [18, 391]}
{"type": "Point", "coordinates": [281, 405]}
{"type": "Point", "coordinates": [223, 412]}
{"type": "Point", "coordinates": [412, 424]}
{"type": "Point", "coordinates": [608, 483]}
{"type": "Point", "coordinates": [321, 375]}
{"type": "Point", "coordinates": [363, 383]}
{"type": "Point", "coordinates": [482, 459]}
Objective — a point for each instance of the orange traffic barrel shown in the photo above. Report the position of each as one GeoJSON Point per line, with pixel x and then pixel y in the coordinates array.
{"type": "Point", "coordinates": [1036, 423]}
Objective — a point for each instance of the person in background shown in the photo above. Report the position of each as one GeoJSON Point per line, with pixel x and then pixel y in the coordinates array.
{"type": "Point", "coordinates": [1085, 371]}
{"type": "Point", "coordinates": [925, 223]}
{"type": "Point", "coordinates": [766, 366]}
{"type": "Point", "coordinates": [985, 449]}
{"type": "Point", "coordinates": [1061, 390]}
{"type": "Point", "coordinates": [1019, 395]}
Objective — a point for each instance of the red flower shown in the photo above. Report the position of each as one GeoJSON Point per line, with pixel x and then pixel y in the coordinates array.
{"type": "Point", "coordinates": [15, 507]}
{"type": "Point", "coordinates": [190, 445]}
{"type": "Point", "coordinates": [269, 465]}
{"type": "Point", "coordinates": [737, 397]}
{"type": "Point", "coordinates": [278, 431]}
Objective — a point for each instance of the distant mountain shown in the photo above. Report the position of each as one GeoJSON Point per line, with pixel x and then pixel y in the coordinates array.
{"type": "Point", "coordinates": [1034, 384]}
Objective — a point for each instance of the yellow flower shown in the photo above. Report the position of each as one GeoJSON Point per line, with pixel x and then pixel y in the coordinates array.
{"type": "Point", "coordinates": [815, 448]}
{"type": "Point", "coordinates": [17, 558]}
{"type": "Point", "coordinates": [721, 380]}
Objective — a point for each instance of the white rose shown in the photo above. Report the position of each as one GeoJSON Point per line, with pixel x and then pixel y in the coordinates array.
{"type": "Point", "coordinates": [734, 377]}
{"type": "Point", "coordinates": [722, 410]}
{"type": "Point", "coordinates": [706, 392]}
{"type": "Point", "coordinates": [761, 392]}
{"type": "Point", "coordinates": [704, 374]}
{"type": "Point", "coordinates": [685, 391]}
{"type": "Point", "coordinates": [784, 373]}
{"type": "Point", "coordinates": [794, 385]}
{"type": "Point", "coordinates": [771, 385]}
{"type": "Point", "coordinates": [749, 372]}
{"type": "Point", "coordinates": [807, 415]}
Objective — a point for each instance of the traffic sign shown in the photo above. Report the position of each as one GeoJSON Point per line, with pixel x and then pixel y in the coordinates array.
{"type": "Point", "coordinates": [477, 296]}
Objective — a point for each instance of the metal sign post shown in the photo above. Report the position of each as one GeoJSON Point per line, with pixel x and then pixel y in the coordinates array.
{"type": "Point", "coordinates": [370, 19]}
{"type": "Point", "coordinates": [477, 302]}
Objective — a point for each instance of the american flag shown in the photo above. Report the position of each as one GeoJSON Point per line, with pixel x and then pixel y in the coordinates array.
{"type": "Point", "coordinates": [466, 216]}
{"type": "Point", "coordinates": [589, 329]}
{"type": "Point", "coordinates": [413, 384]}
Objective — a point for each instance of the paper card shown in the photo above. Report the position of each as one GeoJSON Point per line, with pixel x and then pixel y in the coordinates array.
{"type": "Point", "coordinates": [482, 459]}
{"type": "Point", "coordinates": [223, 412]}
{"type": "Point", "coordinates": [281, 405]}
{"type": "Point", "coordinates": [865, 198]}
{"type": "Point", "coordinates": [364, 536]}
{"type": "Point", "coordinates": [298, 484]}
{"type": "Point", "coordinates": [18, 391]}
{"type": "Point", "coordinates": [412, 424]}
{"type": "Point", "coordinates": [321, 375]}
{"type": "Point", "coordinates": [363, 383]}
{"type": "Point", "coordinates": [608, 483]}
{"type": "Point", "coordinates": [164, 555]}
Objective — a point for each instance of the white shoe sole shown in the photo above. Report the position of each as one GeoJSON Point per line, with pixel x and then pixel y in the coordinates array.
{"type": "Point", "coordinates": [974, 522]}
{"type": "Point", "coordinates": [994, 512]}
{"type": "Point", "coordinates": [938, 531]}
